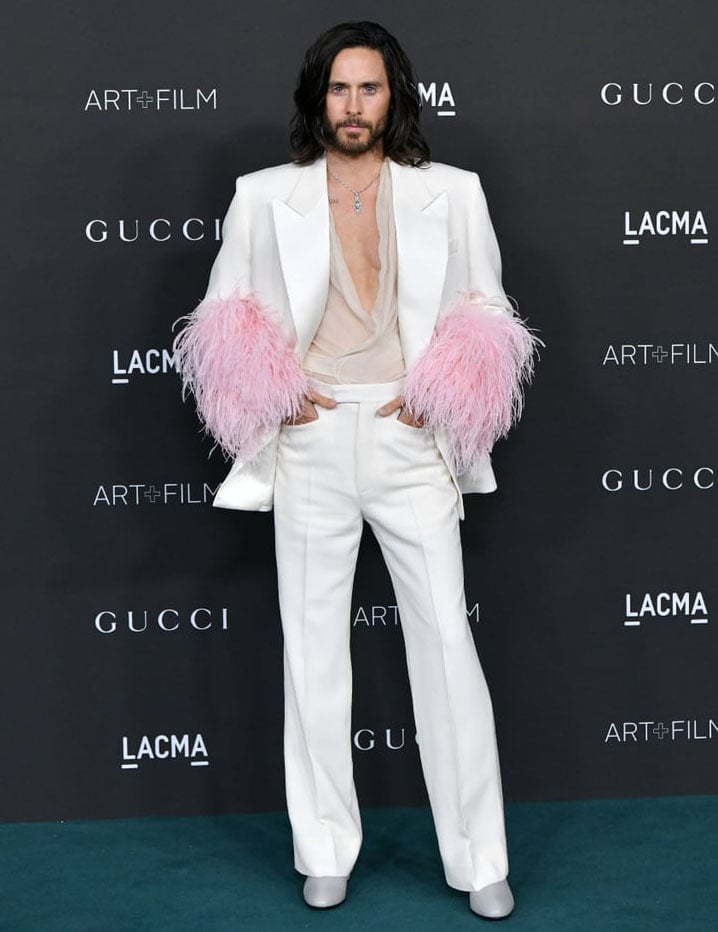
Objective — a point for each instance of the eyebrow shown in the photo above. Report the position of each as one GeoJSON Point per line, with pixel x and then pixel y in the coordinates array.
{"type": "Point", "coordinates": [376, 82]}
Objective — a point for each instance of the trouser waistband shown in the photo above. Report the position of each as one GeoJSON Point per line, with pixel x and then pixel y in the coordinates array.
{"type": "Point", "coordinates": [374, 392]}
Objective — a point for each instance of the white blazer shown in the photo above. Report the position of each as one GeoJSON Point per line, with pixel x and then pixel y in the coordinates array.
{"type": "Point", "coordinates": [276, 246]}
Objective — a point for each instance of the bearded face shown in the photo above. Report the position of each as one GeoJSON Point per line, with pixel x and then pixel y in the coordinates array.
{"type": "Point", "coordinates": [357, 102]}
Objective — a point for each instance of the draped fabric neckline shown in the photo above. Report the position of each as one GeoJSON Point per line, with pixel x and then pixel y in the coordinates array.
{"type": "Point", "coordinates": [353, 344]}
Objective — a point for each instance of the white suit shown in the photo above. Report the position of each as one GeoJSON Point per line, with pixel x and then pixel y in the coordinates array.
{"type": "Point", "coordinates": [326, 477]}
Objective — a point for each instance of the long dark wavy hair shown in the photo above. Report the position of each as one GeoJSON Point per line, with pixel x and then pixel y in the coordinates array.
{"type": "Point", "coordinates": [403, 140]}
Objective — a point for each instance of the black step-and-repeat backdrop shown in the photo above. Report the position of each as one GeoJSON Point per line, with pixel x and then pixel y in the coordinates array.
{"type": "Point", "coordinates": [140, 669]}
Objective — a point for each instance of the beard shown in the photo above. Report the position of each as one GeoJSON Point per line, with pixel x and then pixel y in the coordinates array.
{"type": "Point", "coordinates": [349, 146]}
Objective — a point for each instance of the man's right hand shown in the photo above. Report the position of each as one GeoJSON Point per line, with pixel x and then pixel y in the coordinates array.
{"type": "Point", "coordinates": [309, 410]}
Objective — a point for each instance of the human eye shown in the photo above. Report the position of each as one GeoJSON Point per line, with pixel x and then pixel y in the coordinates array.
{"type": "Point", "coordinates": [337, 88]}
{"type": "Point", "coordinates": [370, 88]}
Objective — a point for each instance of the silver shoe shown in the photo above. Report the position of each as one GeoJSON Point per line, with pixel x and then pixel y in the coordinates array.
{"type": "Point", "coordinates": [493, 902]}
{"type": "Point", "coordinates": [325, 892]}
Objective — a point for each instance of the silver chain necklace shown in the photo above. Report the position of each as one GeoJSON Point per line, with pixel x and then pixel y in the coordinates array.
{"type": "Point", "coordinates": [357, 198]}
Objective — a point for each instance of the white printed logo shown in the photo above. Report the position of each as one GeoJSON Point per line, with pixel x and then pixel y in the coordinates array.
{"type": "Point", "coordinates": [686, 224]}
{"type": "Point", "coordinates": [439, 97]}
{"type": "Point", "coordinates": [691, 606]}
{"type": "Point", "coordinates": [163, 748]}
{"type": "Point", "coordinates": [126, 99]}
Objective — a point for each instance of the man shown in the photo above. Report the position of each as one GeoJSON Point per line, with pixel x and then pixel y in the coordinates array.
{"type": "Point", "coordinates": [357, 356]}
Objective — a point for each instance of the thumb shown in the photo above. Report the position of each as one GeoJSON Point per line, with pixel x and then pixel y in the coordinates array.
{"type": "Point", "coordinates": [391, 406]}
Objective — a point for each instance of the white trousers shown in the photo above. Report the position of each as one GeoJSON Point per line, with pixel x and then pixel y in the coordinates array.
{"type": "Point", "coordinates": [348, 466]}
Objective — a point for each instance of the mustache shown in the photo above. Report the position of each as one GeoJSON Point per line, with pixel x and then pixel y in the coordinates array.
{"type": "Point", "coordinates": [361, 123]}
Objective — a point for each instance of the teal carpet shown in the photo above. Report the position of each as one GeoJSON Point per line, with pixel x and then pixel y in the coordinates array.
{"type": "Point", "coordinates": [630, 865]}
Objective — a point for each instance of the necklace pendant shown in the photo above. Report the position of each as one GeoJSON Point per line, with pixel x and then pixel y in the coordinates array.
{"type": "Point", "coordinates": [357, 194]}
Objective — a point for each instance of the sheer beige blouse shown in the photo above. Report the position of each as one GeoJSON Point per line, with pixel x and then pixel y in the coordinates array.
{"type": "Point", "coordinates": [353, 345]}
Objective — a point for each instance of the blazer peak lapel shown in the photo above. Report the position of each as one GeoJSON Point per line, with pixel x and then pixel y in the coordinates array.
{"type": "Point", "coordinates": [301, 225]}
{"type": "Point", "coordinates": [421, 218]}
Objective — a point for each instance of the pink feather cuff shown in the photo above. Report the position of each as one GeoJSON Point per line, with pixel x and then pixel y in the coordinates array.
{"type": "Point", "coordinates": [469, 379]}
{"type": "Point", "coordinates": [242, 370]}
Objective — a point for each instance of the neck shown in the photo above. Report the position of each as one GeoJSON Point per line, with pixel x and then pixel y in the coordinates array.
{"type": "Point", "coordinates": [357, 167]}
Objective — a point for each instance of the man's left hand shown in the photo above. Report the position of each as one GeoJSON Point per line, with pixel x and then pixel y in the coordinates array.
{"type": "Point", "coordinates": [397, 404]}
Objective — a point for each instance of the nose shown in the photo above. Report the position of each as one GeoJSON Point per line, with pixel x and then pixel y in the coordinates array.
{"type": "Point", "coordinates": [354, 101]}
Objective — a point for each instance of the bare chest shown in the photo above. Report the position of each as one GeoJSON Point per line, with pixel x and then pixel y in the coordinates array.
{"type": "Point", "coordinates": [359, 238]}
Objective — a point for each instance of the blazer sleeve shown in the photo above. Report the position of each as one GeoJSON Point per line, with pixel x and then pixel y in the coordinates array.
{"type": "Point", "coordinates": [232, 354]}
{"type": "Point", "coordinates": [231, 267]}
{"type": "Point", "coordinates": [483, 252]}
{"type": "Point", "coordinates": [469, 380]}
